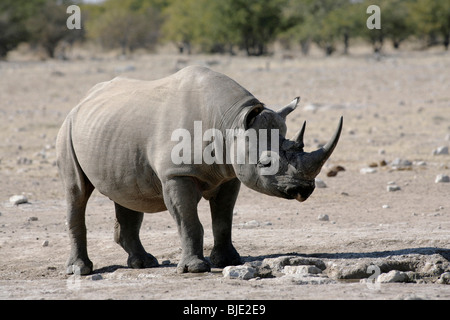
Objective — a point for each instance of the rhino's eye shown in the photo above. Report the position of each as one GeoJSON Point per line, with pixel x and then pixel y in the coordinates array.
{"type": "Point", "coordinates": [267, 163]}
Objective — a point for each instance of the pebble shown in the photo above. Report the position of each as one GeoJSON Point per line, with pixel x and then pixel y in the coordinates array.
{"type": "Point", "coordinates": [45, 243]}
{"type": "Point", "coordinates": [440, 178]}
{"type": "Point", "coordinates": [33, 219]}
{"type": "Point", "coordinates": [239, 272]}
{"type": "Point", "coordinates": [392, 276]}
{"type": "Point", "coordinates": [18, 199]}
{"type": "Point", "coordinates": [323, 217]}
{"type": "Point", "coordinates": [94, 277]}
{"type": "Point", "coordinates": [440, 151]}
{"type": "Point", "coordinates": [401, 163]}
{"type": "Point", "coordinates": [444, 278]}
{"type": "Point", "coordinates": [385, 206]}
{"type": "Point", "coordinates": [320, 183]}
{"type": "Point", "coordinates": [392, 188]}
{"type": "Point", "coordinates": [367, 170]}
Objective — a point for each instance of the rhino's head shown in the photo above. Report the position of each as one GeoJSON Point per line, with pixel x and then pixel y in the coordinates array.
{"type": "Point", "coordinates": [295, 169]}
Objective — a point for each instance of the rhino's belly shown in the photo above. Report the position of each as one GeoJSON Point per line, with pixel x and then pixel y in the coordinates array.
{"type": "Point", "coordinates": [134, 194]}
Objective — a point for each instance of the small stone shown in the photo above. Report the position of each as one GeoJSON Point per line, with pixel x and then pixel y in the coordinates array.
{"type": "Point", "coordinates": [239, 272]}
{"type": "Point", "coordinates": [373, 165]}
{"type": "Point", "coordinates": [320, 183]}
{"type": "Point", "coordinates": [392, 276]}
{"type": "Point", "coordinates": [381, 151]}
{"type": "Point", "coordinates": [33, 219]}
{"type": "Point", "coordinates": [441, 178]}
{"type": "Point", "coordinates": [323, 217]}
{"type": "Point", "coordinates": [385, 206]}
{"type": "Point", "coordinates": [45, 243]}
{"type": "Point", "coordinates": [302, 269]}
{"type": "Point", "coordinates": [401, 163]}
{"type": "Point", "coordinates": [18, 199]}
{"type": "Point", "coordinates": [95, 277]}
{"type": "Point", "coordinates": [392, 188]}
{"type": "Point", "coordinates": [444, 278]}
{"type": "Point", "coordinates": [440, 151]}
{"type": "Point", "coordinates": [367, 170]}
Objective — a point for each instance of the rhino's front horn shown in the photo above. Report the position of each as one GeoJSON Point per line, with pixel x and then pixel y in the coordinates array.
{"type": "Point", "coordinates": [321, 155]}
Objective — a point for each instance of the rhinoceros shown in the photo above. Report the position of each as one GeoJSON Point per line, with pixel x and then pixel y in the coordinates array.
{"type": "Point", "coordinates": [118, 140]}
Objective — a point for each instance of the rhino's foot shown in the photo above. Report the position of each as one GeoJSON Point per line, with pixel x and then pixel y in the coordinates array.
{"type": "Point", "coordinates": [193, 265]}
{"type": "Point", "coordinates": [79, 267]}
{"type": "Point", "coordinates": [139, 261]}
{"type": "Point", "coordinates": [227, 256]}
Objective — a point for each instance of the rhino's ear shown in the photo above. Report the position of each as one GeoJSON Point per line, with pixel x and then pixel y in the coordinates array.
{"type": "Point", "coordinates": [250, 117]}
{"type": "Point", "coordinates": [283, 112]}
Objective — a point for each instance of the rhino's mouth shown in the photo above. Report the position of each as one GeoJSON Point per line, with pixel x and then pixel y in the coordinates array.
{"type": "Point", "coordinates": [301, 193]}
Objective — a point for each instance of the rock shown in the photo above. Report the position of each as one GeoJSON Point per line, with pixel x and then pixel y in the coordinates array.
{"type": "Point", "coordinates": [94, 277]}
{"type": "Point", "coordinates": [18, 199]}
{"type": "Point", "coordinates": [320, 183]}
{"type": "Point", "coordinates": [239, 272]}
{"type": "Point", "coordinates": [277, 264]}
{"type": "Point", "coordinates": [33, 219]}
{"type": "Point", "coordinates": [442, 178]}
{"type": "Point", "coordinates": [392, 276]}
{"type": "Point", "coordinates": [444, 278]}
{"type": "Point", "coordinates": [323, 217]}
{"type": "Point", "coordinates": [392, 188]}
{"type": "Point", "coordinates": [400, 164]}
{"type": "Point", "coordinates": [45, 243]}
{"type": "Point", "coordinates": [301, 269]}
{"type": "Point", "coordinates": [334, 171]}
{"type": "Point", "coordinates": [440, 151]}
{"type": "Point", "coordinates": [367, 170]}
{"type": "Point", "coordinates": [385, 206]}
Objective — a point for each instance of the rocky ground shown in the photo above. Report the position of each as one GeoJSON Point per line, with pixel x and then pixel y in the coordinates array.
{"type": "Point", "coordinates": [379, 229]}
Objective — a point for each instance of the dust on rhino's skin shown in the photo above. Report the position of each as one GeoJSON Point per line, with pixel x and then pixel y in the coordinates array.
{"type": "Point", "coordinates": [118, 140]}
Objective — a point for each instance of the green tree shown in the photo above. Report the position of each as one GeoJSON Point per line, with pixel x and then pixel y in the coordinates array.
{"type": "Point", "coordinates": [125, 24]}
{"type": "Point", "coordinates": [252, 24]}
{"type": "Point", "coordinates": [431, 19]}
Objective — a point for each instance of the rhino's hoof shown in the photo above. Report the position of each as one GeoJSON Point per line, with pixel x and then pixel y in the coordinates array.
{"type": "Point", "coordinates": [79, 267]}
{"type": "Point", "coordinates": [225, 257]}
{"type": "Point", "coordinates": [195, 265]}
{"type": "Point", "coordinates": [142, 261]}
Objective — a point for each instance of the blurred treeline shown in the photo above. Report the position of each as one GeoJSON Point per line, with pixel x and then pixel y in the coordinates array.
{"type": "Point", "coordinates": [224, 26]}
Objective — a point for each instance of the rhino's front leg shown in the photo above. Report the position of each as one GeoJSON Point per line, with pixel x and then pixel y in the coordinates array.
{"type": "Point", "coordinates": [222, 204]}
{"type": "Point", "coordinates": [181, 196]}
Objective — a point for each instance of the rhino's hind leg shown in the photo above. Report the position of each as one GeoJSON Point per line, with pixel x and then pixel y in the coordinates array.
{"type": "Point", "coordinates": [222, 204]}
{"type": "Point", "coordinates": [126, 233]}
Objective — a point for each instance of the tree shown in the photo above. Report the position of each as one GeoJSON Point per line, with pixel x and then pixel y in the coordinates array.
{"type": "Point", "coordinates": [125, 24]}
{"type": "Point", "coordinates": [431, 19]}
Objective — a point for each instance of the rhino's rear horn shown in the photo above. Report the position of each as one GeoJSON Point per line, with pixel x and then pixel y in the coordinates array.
{"type": "Point", "coordinates": [298, 138]}
{"type": "Point", "coordinates": [283, 112]}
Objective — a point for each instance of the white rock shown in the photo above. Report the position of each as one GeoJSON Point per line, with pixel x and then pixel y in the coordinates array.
{"type": "Point", "coordinates": [320, 183]}
{"type": "Point", "coordinates": [392, 276]}
{"type": "Point", "coordinates": [367, 170]}
{"type": "Point", "coordinates": [239, 272]}
{"type": "Point", "coordinates": [18, 199]}
{"type": "Point", "coordinates": [440, 151]}
{"type": "Point", "coordinates": [385, 206]}
{"type": "Point", "coordinates": [400, 163]}
{"type": "Point", "coordinates": [302, 269]}
{"type": "Point", "coordinates": [323, 217]}
{"type": "Point", "coordinates": [392, 188]}
{"type": "Point", "coordinates": [442, 178]}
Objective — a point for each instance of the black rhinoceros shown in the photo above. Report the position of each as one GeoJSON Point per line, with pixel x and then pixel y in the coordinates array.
{"type": "Point", "coordinates": [120, 140]}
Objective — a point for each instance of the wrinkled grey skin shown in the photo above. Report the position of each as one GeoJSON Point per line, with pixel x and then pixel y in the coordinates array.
{"type": "Point", "coordinates": [118, 140]}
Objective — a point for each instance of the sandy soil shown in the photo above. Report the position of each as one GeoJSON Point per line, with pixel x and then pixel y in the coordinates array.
{"type": "Point", "coordinates": [397, 107]}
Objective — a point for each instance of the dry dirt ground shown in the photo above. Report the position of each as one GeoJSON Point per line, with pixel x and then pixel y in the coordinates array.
{"type": "Point", "coordinates": [394, 107]}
